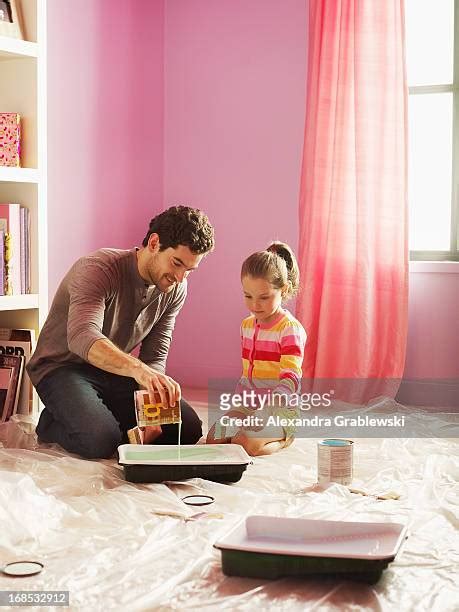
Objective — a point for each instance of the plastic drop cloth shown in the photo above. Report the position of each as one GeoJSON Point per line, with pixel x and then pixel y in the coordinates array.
{"type": "Point", "coordinates": [116, 545]}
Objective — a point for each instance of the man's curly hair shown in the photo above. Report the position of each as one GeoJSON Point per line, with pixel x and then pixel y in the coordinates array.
{"type": "Point", "coordinates": [182, 225]}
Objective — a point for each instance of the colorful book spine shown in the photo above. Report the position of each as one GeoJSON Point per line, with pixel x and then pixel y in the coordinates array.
{"type": "Point", "coordinates": [10, 222]}
{"type": "Point", "coordinates": [10, 139]}
{"type": "Point", "coordinates": [23, 254]}
{"type": "Point", "coordinates": [27, 246]}
{"type": "Point", "coordinates": [8, 275]}
{"type": "Point", "coordinates": [2, 262]}
{"type": "Point", "coordinates": [20, 343]}
{"type": "Point", "coordinates": [12, 368]}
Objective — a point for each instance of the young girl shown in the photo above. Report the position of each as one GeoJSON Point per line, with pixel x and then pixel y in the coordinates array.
{"type": "Point", "coordinates": [272, 344]}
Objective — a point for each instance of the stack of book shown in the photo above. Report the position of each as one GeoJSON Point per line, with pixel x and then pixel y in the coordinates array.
{"type": "Point", "coordinates": [16, 390]}
{"type": "Point", "coordinates": [14, 249]}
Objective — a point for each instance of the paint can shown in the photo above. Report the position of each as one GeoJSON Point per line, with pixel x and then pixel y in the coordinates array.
{"type": "Point", "coordinates": [334, 461]}
{"type": "Point", "coordinates": [152, 411]}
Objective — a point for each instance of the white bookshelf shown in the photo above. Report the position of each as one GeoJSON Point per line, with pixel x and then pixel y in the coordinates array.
{"type": "Point", "coordinates": [13, 48]}
{"type": "Point", "coordinates": [23, 90]}
{"type": "Point", "coordinates": [19, 302]}
{"type": "Point", "coordinates": [18, 175]}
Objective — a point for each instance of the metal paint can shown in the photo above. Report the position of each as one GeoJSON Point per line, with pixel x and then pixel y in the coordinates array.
{"type": "Point", "coordinates": [334, 461]}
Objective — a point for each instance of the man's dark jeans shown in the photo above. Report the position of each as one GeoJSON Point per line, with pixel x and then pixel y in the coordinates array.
{"type": "Point", "coordinates": [88, 412]}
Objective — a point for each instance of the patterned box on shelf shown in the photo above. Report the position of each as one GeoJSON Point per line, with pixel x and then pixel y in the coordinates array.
{"type": "Point", "coordinates": [10, 139]}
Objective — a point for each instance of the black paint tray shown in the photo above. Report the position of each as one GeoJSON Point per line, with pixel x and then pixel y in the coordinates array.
{"type": "Point", "coordinates": [150, 463]}
{"type": "Point", "coordinates": [277, 547]}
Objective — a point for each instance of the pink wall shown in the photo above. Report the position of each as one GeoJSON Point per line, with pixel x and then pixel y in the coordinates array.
{"type": "Point", "coordinates": [431, 375]}
{"type": "Point", "coordinates": [216, 89]}
{"type": "Point", "coordinates": [234, 119]}
{"type": "Point", "coordinates": [433, 330]}
{"type": "Point", "coordinates": [105, 125]}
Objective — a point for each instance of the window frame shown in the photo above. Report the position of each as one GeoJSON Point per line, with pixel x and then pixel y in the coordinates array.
{"type": "Point", "coordinates": [453, 253]}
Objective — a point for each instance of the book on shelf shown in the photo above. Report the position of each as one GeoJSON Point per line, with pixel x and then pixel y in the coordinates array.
{"type": "Point", "coordinates": [10, 223]}
{"type": "Point", "coordinates": [11, 370]}
{"type": "Point", "coordinates": [22, 249]}
{"type": "Point", "coordinates": [27, 250]}
{"type": "Point", "coordinates": [2, 262]}
{"type": "Point", "coordinates": [20, 343]}
{"type": "Point", "coordinates": [15, 223]}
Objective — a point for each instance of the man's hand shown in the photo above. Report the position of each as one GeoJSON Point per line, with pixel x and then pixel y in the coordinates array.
{"type": "Point", "coordinates": [154, 381]}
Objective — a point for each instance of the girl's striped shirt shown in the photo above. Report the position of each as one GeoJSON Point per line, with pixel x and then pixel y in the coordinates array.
{"type": "Point", "coordinates": [272, 353]}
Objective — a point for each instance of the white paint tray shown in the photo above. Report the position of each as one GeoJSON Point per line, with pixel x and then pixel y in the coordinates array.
{"type": "Point", "coordinates": [157, 463]}
{"type": "Point", "coordinates": [273, 547]}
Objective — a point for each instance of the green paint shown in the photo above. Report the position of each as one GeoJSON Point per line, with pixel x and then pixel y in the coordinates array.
{"type": "Point", "coordinates": [198, 453]}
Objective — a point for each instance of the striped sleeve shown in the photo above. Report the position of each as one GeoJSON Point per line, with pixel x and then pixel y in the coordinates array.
{"type": "Point", "coordinates": [292, 343]}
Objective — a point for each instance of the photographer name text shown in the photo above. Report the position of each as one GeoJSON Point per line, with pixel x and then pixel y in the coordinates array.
{"type": "Point", "coordinates": [338, 420]}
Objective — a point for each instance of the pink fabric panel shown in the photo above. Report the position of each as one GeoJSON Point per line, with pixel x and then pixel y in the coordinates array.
{"type": "Point", "coordinates": [353, 250]}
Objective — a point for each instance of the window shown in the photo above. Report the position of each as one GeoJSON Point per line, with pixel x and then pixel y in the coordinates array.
{"type": "Point", "coordinates": [432, 53]}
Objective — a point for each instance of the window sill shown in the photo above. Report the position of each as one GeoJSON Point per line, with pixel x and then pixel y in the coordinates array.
{"type": "Point", "coordinates": [442, 267]}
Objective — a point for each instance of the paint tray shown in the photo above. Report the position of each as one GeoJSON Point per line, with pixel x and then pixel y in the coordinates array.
{"type": "Point", "coordinates": [276, 547]}
{"type": "Point", "coordinates": [157, 463]}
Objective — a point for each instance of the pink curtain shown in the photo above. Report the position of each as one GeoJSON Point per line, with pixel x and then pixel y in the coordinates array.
{"type": "Point", "coordinates": [353, 249]}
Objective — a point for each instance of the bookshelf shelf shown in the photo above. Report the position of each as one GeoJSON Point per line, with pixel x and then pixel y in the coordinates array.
{"type": "Point", "coordinates": [23, 90]}
{"type": "Point", "coordinates": [19, 175]}
{"type": "Point", "coordinates": [12, 48]}
{"type": "Point", "coordinates": [19, 302]}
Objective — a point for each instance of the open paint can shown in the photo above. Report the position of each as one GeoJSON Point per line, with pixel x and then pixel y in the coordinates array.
{"type": "Point", "coordinates": [334, 461]}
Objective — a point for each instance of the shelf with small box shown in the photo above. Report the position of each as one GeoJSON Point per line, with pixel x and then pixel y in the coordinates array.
{"type": "Point", "coordinates": [19, 175]}
{"type": "Point", "coordinates": [23, 170]}
{"type": "Point", "coordinates": [12, 48]}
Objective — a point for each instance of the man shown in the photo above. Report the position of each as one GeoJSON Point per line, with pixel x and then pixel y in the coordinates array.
{"type": "Point", "coordinates": [109, 303]}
